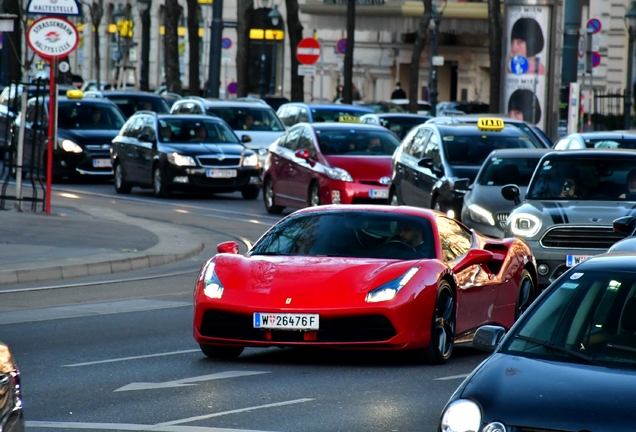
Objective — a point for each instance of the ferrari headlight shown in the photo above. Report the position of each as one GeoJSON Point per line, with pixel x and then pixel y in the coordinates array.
{"type": "Point", "coordinates": [391, 288]}
{"type": "Point", "coordinates": [181, 160]}
{"type": "Point", "coordinates": [251, 160]}
{"type": "Point", "coordinates": [525, 224]}
{"type": "Point", "coordinates": [212, 286]}
{"type": "Point", "coordinates": [461, 416]}
{"type": "Point", "coordinates": [480, 215]}
{"type": "Point", "coordinates": [71, 147]}
{"type": "Point", "coordinates": [338, 174]}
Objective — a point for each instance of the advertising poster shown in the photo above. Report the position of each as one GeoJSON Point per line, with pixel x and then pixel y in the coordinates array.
{"type": "Point", "coordinates": [527, 58]}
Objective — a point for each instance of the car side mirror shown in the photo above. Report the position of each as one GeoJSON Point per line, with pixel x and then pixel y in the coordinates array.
{"type": "Point", "coordinates": [144, 137]}
{"type": "Point", "coordinates": [462, 184]}
{"type": "Point", "coordinates": [625, 225]}
{"type": "Point", "coordinates": [511, 193]}
{"type": "Point", "coordinates": [488, 337]}
{"type": "Point", "coordinates": [473, 257]}
{"type": "Point", "coordinates": [246, 138]}
{"type": "Point", "coordinates": [303, 154]}
{"type": "Point", "coordinates": [231, 247]}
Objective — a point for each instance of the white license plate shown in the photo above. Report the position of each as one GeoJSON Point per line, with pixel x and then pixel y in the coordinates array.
{"type": "Point", "coordinates": [286, 321]}
{"type": "Point", "coordinates": [221, 173]}
{"type": "Point", "coordinates": [102, 163]}
{"type": "Point", "coordinates": [572, 260]}
{"type": "Point", "coordinates": [379, 193]}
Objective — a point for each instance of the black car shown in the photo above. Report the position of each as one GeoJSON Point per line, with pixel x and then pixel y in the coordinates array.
{"type": "Point", "coordinates": [435, 163]}
{"type": "Point", "coordinates": [398, 123]}
{"type": "Point", "coordinates": [183, 153]}
{"type": "Point", "coordinates": [129, 102]}
{"type": "Point", "coordinates": [568, 364]}
{"type": "Point", "coordinates": [85, 128]}
{"type": "Point", "coordinates": [11, 416]}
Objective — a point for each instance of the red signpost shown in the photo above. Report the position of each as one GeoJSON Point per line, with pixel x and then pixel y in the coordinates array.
{"type": "Point", "coordinates": [308, 51]}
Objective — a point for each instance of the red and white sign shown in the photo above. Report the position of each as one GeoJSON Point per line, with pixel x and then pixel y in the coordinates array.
{"type": "Point", "coordinates": [52, 37]}
{"type": "Point", "coordinates": [308, 51]}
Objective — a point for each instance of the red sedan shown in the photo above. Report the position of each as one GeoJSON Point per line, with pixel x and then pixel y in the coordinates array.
{"type": "Point", "coordinates": [329, 163]}
{"type": "Point", "coordinates": [362, 277]}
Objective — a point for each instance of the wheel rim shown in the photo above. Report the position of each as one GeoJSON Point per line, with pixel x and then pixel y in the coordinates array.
{"type": "Point", "coordinates": [394, 200]}
{"type": "Point", "coordinates": [523, 297]}
{"type": "Point", "coordinates": [314, 199]}
{"type": "Point", "coordinates": [445, 322]}
{"type": "Point", "coordinates": [118, 176]}
{"type": "Point", "coordinates": [269, 194]}
{"type": "Point", "coordinates": [157, 181]}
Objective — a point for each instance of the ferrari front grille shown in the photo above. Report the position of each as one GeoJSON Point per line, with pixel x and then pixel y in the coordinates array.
{"type": "Point", "coordinates": [580, 237]}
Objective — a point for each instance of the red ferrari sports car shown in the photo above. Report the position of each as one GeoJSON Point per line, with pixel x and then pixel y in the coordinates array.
{"type": "Point", "coordinates": [362, 277]}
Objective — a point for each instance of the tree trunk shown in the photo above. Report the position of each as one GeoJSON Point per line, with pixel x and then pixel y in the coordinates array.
{"type": "Point", "coordinates": [96, 13]}
{"type": "Point", "coordinates": [495, 36]}
{"type": "Point", "coordinates": [194, 82]}
{"type": "Point", "coordinates": [245, 10]}
{"type": "Point", "coordinates": [171, 45]}
{"type": "Point", "coordinates": [14, 44]}
{"type": "Point", "coordinates": [295, 33]}
{"type": "Point", "coordinates": [418, 47]}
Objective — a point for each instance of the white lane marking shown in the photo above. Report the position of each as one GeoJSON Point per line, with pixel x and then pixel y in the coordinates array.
{"type": "Point", "coordinates": [451, 377]}
{"type": "Point", "coordinates": [132, 358]}
{"type": "Point", "coordinates": [204, 417]}
{"type": "Point", "coordinates": [130, 427]}
{"type": "Point", "coordinates": [187, 381]}
{"type": "Point", "coordinates": [84, 310]}
{"type": "Point", "coordinates": [253, 221]}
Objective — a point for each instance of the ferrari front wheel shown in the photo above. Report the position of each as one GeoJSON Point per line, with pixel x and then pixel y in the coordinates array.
{"type": "Point", "coordinates": [525, 294]}
{"type": "Point", "coordinates": [442, 328]}
{"type": "Point", "coordinates": [221, 352]}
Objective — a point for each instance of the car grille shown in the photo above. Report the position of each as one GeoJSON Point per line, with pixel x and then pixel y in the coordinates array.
{"type": "Point", "coordinates": [366, 328]}
{"type": "Point", "coordinates": [502, 219]}
{"type": "Point", "coordinates": [580, 237]}
{"type": "Point", "coordinates": [213, 161]}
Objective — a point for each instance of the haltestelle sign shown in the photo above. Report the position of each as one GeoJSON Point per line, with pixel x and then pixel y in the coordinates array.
{"type": "Point", "coordinates": [51, 37]}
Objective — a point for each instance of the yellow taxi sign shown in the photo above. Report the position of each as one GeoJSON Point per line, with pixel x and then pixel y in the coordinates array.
{"type": "Point", "coordinates": [74, 94]}
{"type": "Point", "coordinates": [490, 124]}
{"type": "Point", "coordinates": [348, 119]}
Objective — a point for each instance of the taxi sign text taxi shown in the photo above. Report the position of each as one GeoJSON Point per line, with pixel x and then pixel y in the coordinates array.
{"type": "Point", "coordinates": [490, 124]}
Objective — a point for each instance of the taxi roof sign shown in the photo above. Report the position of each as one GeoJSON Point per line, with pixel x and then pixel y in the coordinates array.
{"type": "Point", "coordinates": [490, 124]}
{"type": "Point", "coordinates": [348, 119]}
{"type": "Point", "coordinates": [74, 94]}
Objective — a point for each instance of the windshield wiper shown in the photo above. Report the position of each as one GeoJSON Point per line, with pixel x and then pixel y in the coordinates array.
{"type": "Point", "coordinates": [559, 349]}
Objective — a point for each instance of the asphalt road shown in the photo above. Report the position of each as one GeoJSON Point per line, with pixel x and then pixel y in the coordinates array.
{"type": "Point", "coordinates": [135, 366]}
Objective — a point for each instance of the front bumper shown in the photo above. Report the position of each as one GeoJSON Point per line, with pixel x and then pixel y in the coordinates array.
{"type": "Point", "coordinates": [340, 192]}
{"type": "Point", "coordinates": [89, 162]}
{"type": "Point", "coordinates": [182, 178]}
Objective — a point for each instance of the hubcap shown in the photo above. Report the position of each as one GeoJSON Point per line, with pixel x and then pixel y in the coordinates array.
{"type": "Point", "coordinates": [269, 194]}
{"type": "Point", "coordinates": [394, 200]}
{"type": "Point", "coordinates": [118, 177]}
{"type": "Point", "coordinates": [315, 196]}
{"type": "Point", "coordinates": [157, 182]}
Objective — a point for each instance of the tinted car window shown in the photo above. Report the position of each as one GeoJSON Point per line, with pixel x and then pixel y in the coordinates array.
{"type": "Point", "coordinates": [131, 104]}
{"type": "Point", "coordinates": [472, 150]}
{"type": "Point", "coordinates": [331, 116]}
{"type": "Point", "coordinates": [180, 130]}
{"type": "Point", "coordinates": [264, 119]}
{"type": "Point", "coordinates": [353, 142]}
{"type": "Point", "coordinates": [500, 172]}
{"type": "Point", "coordinates": [629, 143]}
{"type": "Point", "coordinates": [400, 125]}
{"type": "Point", "coordinates": [81, 115]}
{"type": "Point", "coordinates": [455, 240]}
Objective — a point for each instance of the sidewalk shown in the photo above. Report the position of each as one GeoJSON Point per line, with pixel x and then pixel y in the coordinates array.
{"type": "Point", "coordinates": [85, 241]}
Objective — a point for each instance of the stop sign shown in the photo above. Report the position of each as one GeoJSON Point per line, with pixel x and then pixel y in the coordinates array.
{"type": "Point", "coordinates": [308, 51]}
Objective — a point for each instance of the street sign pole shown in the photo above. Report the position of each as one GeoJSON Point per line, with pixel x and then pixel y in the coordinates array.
{"type": "Point", "coordinates": [51, 133]}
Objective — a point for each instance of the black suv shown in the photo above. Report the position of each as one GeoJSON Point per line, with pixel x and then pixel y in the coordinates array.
{"type": "Point", "coordinates": [183, 152]}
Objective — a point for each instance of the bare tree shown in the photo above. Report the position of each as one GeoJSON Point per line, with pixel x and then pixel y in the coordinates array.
{"type": "Point", "coordinates": [418, 47]}
{"type": "Point", "coordinates": [495, 35]}
{"type": "Point", "coordinates": [194, 82]}
{"type": "Point", "coordinates": [245, 10]}
{"type": "Point", "coordinates": [171, 44]}
{"type": "Point", "coordinates": [95, 15]}
{"type": "Point", "coordinates": [295, 32]}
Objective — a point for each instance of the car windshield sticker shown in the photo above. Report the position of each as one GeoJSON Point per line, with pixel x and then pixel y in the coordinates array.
{"type": "Point", "coordinates": [449, 138]}
{"type": "Point", "coordinates": [576, 276]}
{"type": "Point", "coordinates": [496, 161]}
{"type": "Point", "coordinates": [569, 285]}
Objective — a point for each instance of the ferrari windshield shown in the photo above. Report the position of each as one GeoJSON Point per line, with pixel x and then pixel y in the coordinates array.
{"type": "Point", "coordinates": [354, 234]}
{"type": "Point", "coordinates": [502, 171]}
{"type": "Point", "coordinates": [588, 317]}
{"type": "Point", "coordinates": [585, 178]}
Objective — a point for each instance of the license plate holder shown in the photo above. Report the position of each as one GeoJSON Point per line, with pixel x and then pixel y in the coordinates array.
{"type": "Point", "coordinates": [286, 321]}
{"type": "Point", "coordinates": [102, 163]}
{"type": "Point", "coordinates": [572, 260]}
{"type": "Point", "coordinates": [220, 173]}
{"type": "Point", "coordinates": [379, 193]}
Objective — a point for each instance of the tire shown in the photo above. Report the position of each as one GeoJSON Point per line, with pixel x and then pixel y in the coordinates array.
{"type": "Point", "coordinates": [121, 185]}
{"type": "Point", "coordinates": [394, 200]}
{"type": "Point", "coordinates": [314, 195]}
{"type": "Point", "coordinates": [269, 198]}
{"type": "Point", "coordinates": [442, 341]}
{"type": "Point", "coordinates": [250, 192]}
{"type": "Point", "coordinates": [526, 293]}
{"type": "Point", "coordinates": [221, 352]}
{"type": "Point", "coordinates": [159, 186]}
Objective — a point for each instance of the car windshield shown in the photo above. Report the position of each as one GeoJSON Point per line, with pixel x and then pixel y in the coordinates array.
{"type": "Point", "coordinates": [502, 171]}
{"type": "Point", "coordinates": [192, 131]}
{"type": "Point", "coordinates": [383, 107]}
{"type": "Point", "coordinates": [131, 104]}
{"type": "Point", "coordinates": [353, 142]}
{"type": "Point", "coordinates": [584, 178]}
{"type": "Point", "coordinates": [401, 125]}
{"type": "Point", "coordinates": [472, 149]}
{"type": "Point", "coordinates": [611, 143]}
{"type": "Point", "coordinates": [248, 118]}
{"type": "Point", "coordinates": [82, 115]}
{"type": "Point", "coordinates": [343, 115]}
{"type": "Point", "coordinates": [587, 317]}
{"type": "Point", "coordinates": [353, 234]}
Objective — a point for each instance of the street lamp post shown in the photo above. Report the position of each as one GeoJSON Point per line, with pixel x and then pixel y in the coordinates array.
{"type": "Point", "coordinates": [630, 18]}
{"type": "Point", "coordinates": [144, 11]}
{"type": "Point", "coordinates": [436, 18]}
{"type": "Point", "coordinates": [118, 16]}
{"type": "Point", "coordinates": [275, 18]}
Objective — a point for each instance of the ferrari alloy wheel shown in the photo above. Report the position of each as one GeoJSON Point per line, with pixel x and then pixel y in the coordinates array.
{"type": "Point", "coordinates": [443, 327]}
{"type": "Point", "coordinates": [393, 198]}
{"type": "Point", "coordinates": [525, 294]}
{"type": "Point", "coordinates": [314, 195]}
{"type": "Point", "coordinates": [250, 192]}
{"type": "Point", "coordinates": [159, 187]}
{"type": "Point", "coordinates": [121, 185]}
{"type": "Point", "coordinates": [268, 198]}
{"type": "Point", "coordinates": [221, 352]}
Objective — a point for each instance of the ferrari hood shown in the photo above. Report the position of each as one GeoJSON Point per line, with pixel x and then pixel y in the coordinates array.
{"type": "Point", "coordinates": [365, 168]}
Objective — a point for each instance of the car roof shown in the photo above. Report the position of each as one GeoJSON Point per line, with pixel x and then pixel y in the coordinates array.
{"type": "Point", "coordinates": [470, 118]}
{"type": "Point", "coordinates": [108, 93]}
{"type": "Point", "coordinates": [472, 129]}
{"type": "Point", "coordinates": [333, 107]}
{"type": "Point", "coordinates": [613, 261]}
{"type": "Point", "coordinates": [402, 115]}
{"type": "Point", "coordinates": [608, 135]}
{"type": "Point", "coordinates": [594, 153]}
{"type": "Point", "coordinates": [232, 104]}
{"type": "Point", "coordinates": [182, 116]}
{"type": "Point", "coordinates": [370, 208]}
{"type": "Point", "coordinates": [91, 100]}
{"type": "Point", "coordinates": [338, 126]}
{"type": "Point", "coordinates": [520, 152]}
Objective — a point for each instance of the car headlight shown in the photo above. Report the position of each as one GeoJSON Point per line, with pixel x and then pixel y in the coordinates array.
{"type": "Point", "coordinates": [525, 224]}
{"type": "Point", "coordinates": [212, 286]}
{"type": "Point", "coordinates": [251, 160]}
{"type": "Point", "coordinates": [338, 174]}
{"type": "Point", "coordinates": [480, 215]}
{"type": "Point", "coordinates": [71, 147]}
{"type": "Point", "coordinates": [461, 416]}
{"type": "Point", "coordinates": [391, 288]}
{"type": "Point", "coordinates": [181, 160]}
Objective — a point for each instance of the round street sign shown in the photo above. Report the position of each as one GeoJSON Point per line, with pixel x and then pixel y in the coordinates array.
{"type": "Point", "coordinates": [232, 88]}
{"type": "Point", "coordinates": [226, 43]}
{"type": "Point", "coordinates": [519, 65]}
{"type": "Point", "coordinates": [596, 59]}
{"type": "Point", "coordinates": [64, 67]}
{"type": "Point", "coordinates": [308, 51]}
{"type": "Point", "coordinates": [595, 25]}
{"type": "Point", "coordinates": [52, 37]}
{"type": "Point", "coordinates": [341, 46]}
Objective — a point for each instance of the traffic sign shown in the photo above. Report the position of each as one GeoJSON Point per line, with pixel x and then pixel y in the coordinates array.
{"type": "Point", "coordinates": [232, 88]}
{"type": "Point", "coordinates": [582, 45]}
{"type": "Point", "coordinates": [54, 7]}
{"type": "Point", "coordinates": [226, 43]}
{"type": "Point", "coordinates": [51, 37]}
{"type": "Point", "coordinates": [594, 25]}
{"type": "Point", "coordinates": [306, 70]}
{"type": "Point", "coordinates": [341, 46]}
{"type": "Point", "coordinates": [308, 51]}
{"type": "Point", "coordinates": [64, 67]}
{"type": "Point", "coordinates": [596, 59]}
{"type": "Point", "coordinates": [519, 65]}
